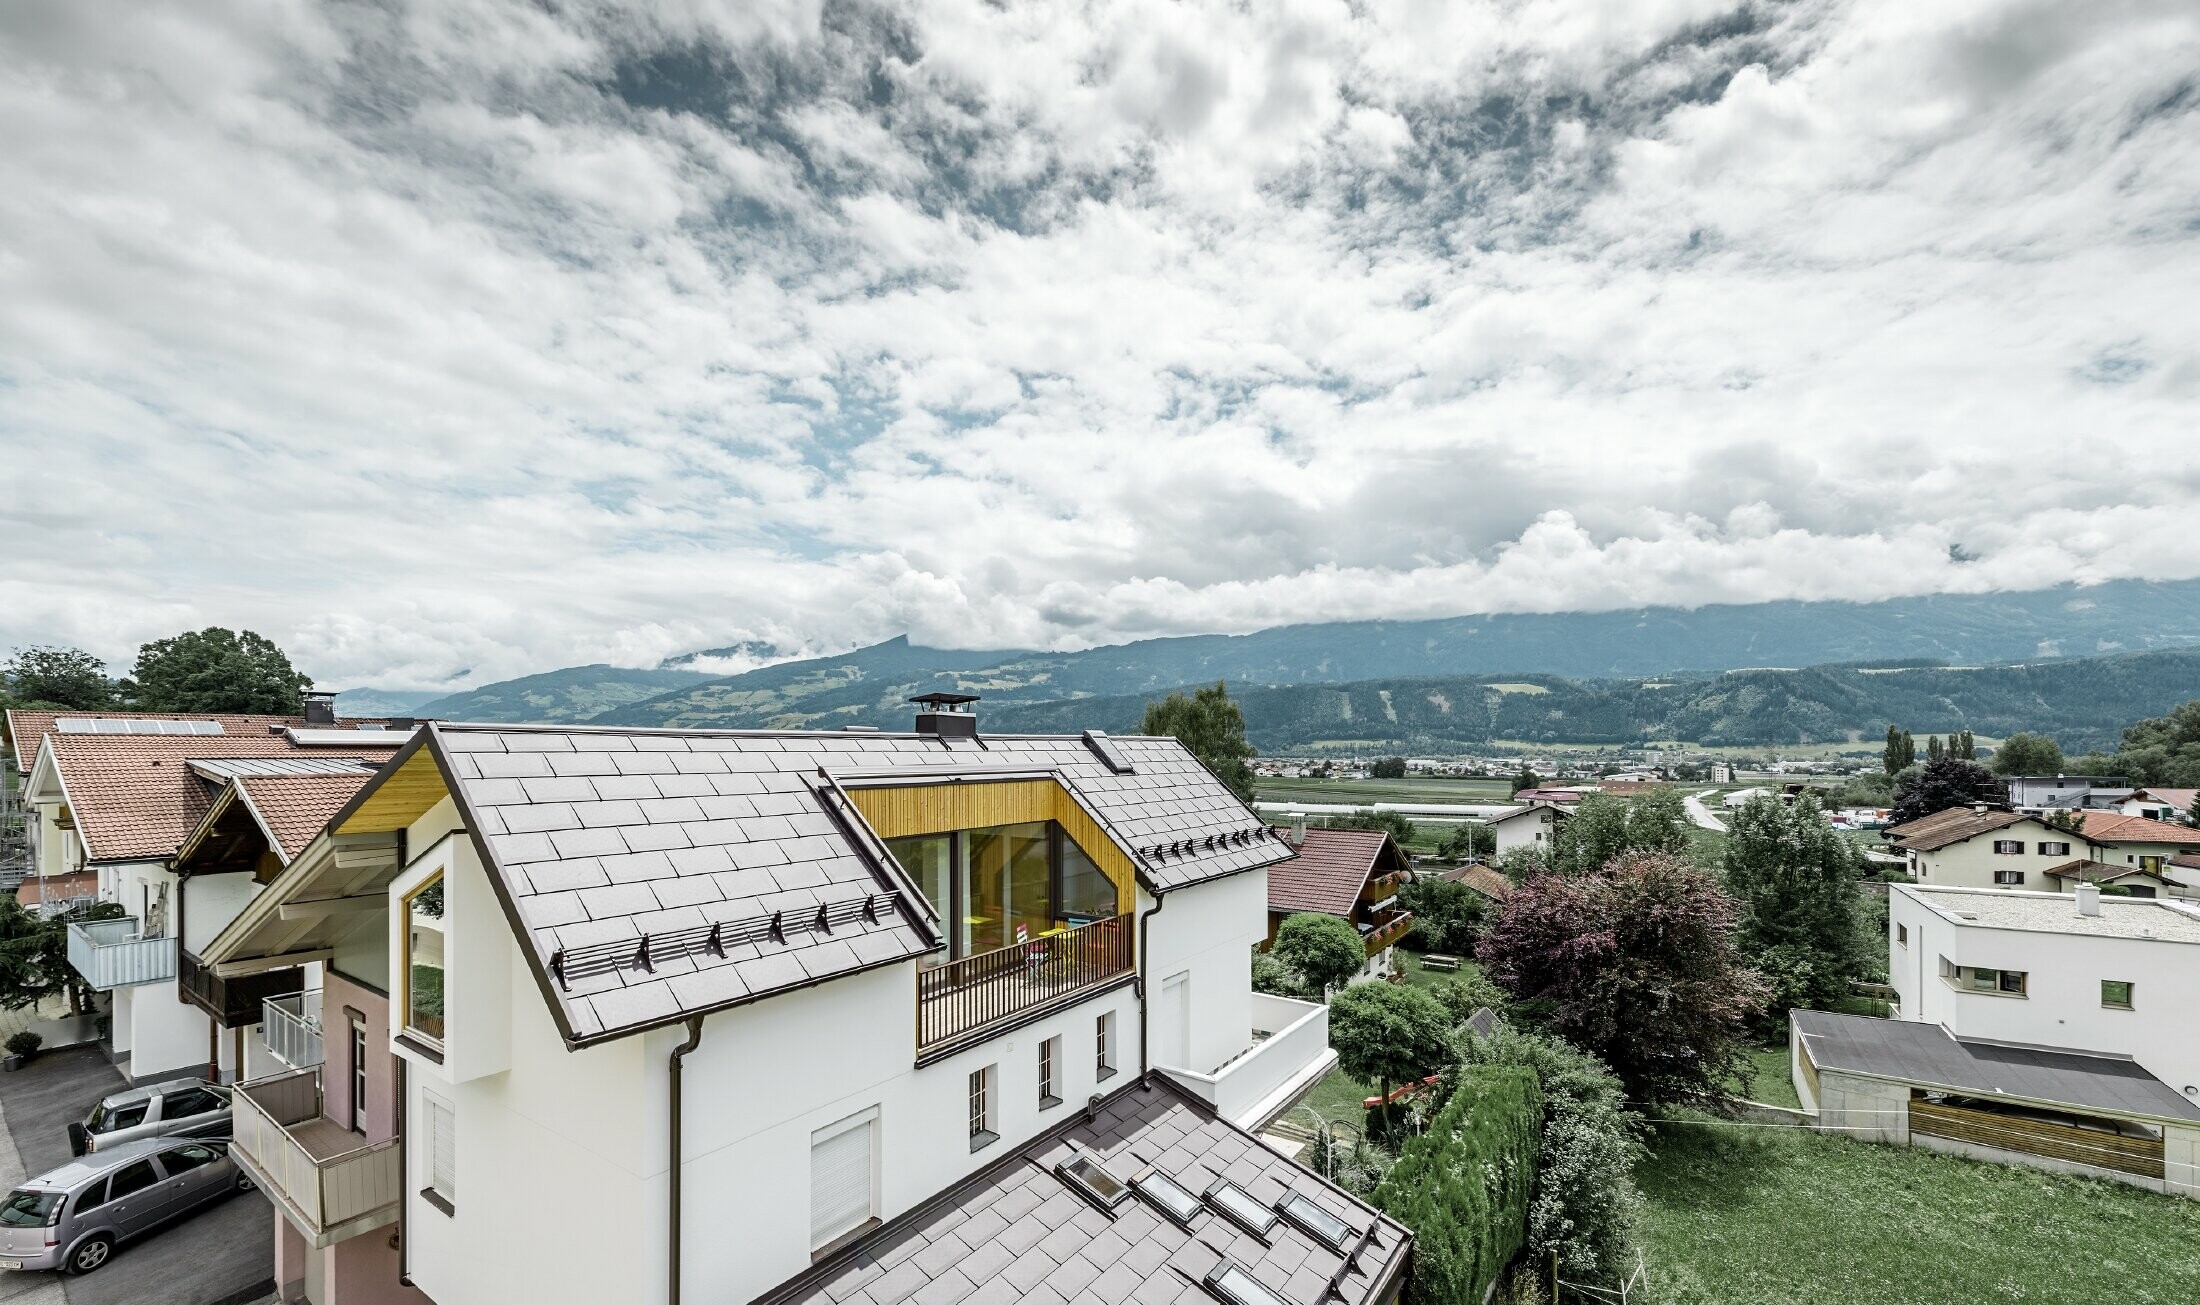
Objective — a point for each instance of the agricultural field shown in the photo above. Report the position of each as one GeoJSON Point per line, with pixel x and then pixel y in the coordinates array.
{"type": "Point", "coordinates": [1739, 1215]}
{"type": "Point", "coordinates": [1368, 791]}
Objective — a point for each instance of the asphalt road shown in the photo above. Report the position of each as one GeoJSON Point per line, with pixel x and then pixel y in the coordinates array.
{"type": "Point", "coordinates": [1701, 814]}
{"type": "Point", "coordinates": [218, 1256]}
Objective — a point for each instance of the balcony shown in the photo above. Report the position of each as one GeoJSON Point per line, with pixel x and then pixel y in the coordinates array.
{"type": "Point", "coordinates": [113, 954]}
{"type": "Point", "coordinates": [291, 1027]}
{"type": "Point", "coordinates": [234, 1002]}
{"type": "Point", "coordinates": [329, 1184]}
{"type": "Point", "coordinates": [1385, 930]}
{"type": "Point", "coordinates": [966, 997]}
{"type": "Point", "coordinates": [1289, 1055]}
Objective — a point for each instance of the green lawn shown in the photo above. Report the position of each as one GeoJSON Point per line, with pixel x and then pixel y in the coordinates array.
{"type": "Point", "coordinates": [1770, 1216]}
{"type": "Point", "coordinates": [1773, 1085]}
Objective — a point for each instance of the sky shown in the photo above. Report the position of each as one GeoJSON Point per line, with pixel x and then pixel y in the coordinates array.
{"type": "Point", "coordinates": [447, 342]}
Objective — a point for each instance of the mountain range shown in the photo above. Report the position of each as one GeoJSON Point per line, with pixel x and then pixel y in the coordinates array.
{"type": "Point", "coordinates": [1763, 673]}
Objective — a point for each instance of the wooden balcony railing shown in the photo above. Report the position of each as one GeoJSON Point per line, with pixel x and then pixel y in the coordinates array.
{"type": "Point", "coordinates": [114, 954]}
{"type": "Point", "coordinates": [965, 996]}
{"type": "Point", "coordinates": [234, 1002]}
{"type": "Point", "coordinates": [331, 1186]}
{"type": "Point", "coordinates": [1387, 931]}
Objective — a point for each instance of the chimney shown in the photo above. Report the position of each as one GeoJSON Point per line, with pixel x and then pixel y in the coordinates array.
{"type": "Point", "coordinates": [1978, 808]}
{"type": "Point", "coordinates": [320, 709]}
{"type": "Point", "coordinates": [2089, 899]}
{"type": "Point", "coordinates": [1298, 833]}
{"type": "Point", "coordinates": [946, 715]}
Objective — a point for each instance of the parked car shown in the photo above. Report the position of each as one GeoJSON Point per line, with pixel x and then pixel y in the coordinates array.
{"type": "Point", "coordinates": [73, 1218]}
{"type": "Point", "coordinates": [180, 1107]}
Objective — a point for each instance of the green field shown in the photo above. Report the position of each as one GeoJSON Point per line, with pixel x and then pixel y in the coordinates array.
{"type": "Point", "coordinates": [1770, 1216]}
{"type": "Point", "coordinates": [1365, 791]}
{"type": "Point", "coordinates": [1773, 1084]}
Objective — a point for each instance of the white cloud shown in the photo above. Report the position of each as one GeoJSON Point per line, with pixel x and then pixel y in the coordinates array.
{"type": "Point", "coordinates": [450, 342]}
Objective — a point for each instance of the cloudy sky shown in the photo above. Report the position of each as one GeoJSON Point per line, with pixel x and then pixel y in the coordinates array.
{"type": "Point", "coordinates": [486, 336]}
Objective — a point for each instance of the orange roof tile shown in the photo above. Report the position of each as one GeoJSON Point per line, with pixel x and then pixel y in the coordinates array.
{"type": "Point", "coordinates": [1327, 874]}
{"type": "Point", "coordinates": [294, 808]}
{"type": "Point", "coordinates": [2112, 827]}
{"type": "Point", "coordinates": [27, 727]}
{"type": "Point", "coordinates": [1490, 883]}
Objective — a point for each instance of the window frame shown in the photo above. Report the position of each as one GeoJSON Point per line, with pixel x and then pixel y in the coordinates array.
{"type": "Point", "coordinates": [2130, 988]}
{"type": "Point", "coordinates": [2008, 878]}
{"type": "Point", "coordinates": [441, 1118]}
{"type": "Point", "coordinates": [2008, 847]}
{"type": "Point", "coordinates": [1104, 1052]}
{"type": "Point", "coordinates": [866, 1120]}
{"type": "Point", "coordinates": [1901, 934]}
{"type": "Point", "coordinates": [404, 976]}
{"type": "Point", "coordinates": [984, 1105]}
{"type": "Point", "coordinates": [1050, 1072]}
{"type": "Point", "coordinates": [2054, 849]}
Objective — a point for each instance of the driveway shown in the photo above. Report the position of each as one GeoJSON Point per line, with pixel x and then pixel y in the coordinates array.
{"type": "Point", "coordinates": [219, 1256]}
{"type": "Point", "coordinates": [1701, 814]}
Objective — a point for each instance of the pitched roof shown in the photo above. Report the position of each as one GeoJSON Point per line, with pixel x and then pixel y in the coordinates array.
{"type": "Point", "coordinates": [294, 808]}
{"type": "Point", "coordinates": [27, 727]}
{"type": "Point", "coordinates": [1917, 1052]}
{"type": "Point", "coordinates": [1017, 1231]}
{"type": "Point", "coordinates": [1328, 870]}
{"type": "Point", "coordinates": [2181, 798]}
{"type": "Point", "coordinates": [1953, 825]}
{"type": "Point", "coordinates": [1538, 804]}
{"type": "Point", "coordinates": [1490, 883]}
{"type": "Point", "coordinates": [136, 797]}
{"type": "Point", "coordinates": [2112, 827]}
{"type": "Point", "coordinates": [2096, 872]}
{"type": "Point", "coordinates": [601, 837]}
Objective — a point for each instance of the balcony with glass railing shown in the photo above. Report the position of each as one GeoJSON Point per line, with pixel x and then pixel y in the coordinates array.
{"type": "Point", "coordinates": [291, 1027]}
{"type": "Point", "coordinates": [117, 954]}
{"type": "Point", "coordinates": [330, 1184]}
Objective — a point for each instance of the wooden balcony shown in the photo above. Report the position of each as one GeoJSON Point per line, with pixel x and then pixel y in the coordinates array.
{"type": "Point", "coordinates": [234, 1003]}
{"type": "Point", "coordinates": [1386, 930]}
{"type": "Point", "coordinates": [964, 998]}
{"type": "Point", "coordinates": [329, 1183]}
{"type": "Point", "coordinates": [114, 954]}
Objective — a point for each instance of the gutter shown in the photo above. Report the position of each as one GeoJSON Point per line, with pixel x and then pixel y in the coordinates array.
{"type": "Point", "coordinates": [1145, 920]}
{"type": "Point", "coordinates": [679, 1053]}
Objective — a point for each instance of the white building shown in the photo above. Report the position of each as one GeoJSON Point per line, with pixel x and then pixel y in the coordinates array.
{"type": "Point", "coordinates": [1533, 825]}
{"type": "Point", "coordinates": [778, 1001]}
{"type": "Point", "coordinates": [2087, 972]}
{"type": "Point", "coordinates": [1977, 847]}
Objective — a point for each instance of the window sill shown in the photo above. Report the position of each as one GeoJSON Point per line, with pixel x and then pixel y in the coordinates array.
{"type": "Point", "coordinates": [435, 1198]}
{"type": "Point", "coordinates": [1985, 992]}
{"type": "Point", "coordinates": [980, 1141]}
{"type": "Point", "coordinates": [2110, 1005]}
{"type": "Point", "coordinates": [1106, 1072]}
{"type": "Point", "coordinates": [419, 1048]}
{"type": "Point", "coordinates": [855, 1234]}
{"type": "Point", "coordinates": [1049, 1103]}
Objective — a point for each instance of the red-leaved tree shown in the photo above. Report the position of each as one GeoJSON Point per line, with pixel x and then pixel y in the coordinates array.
{"type": "Point", "coordinates": [1637, 963]}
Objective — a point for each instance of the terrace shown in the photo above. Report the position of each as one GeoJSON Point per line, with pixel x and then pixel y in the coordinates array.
{"type": "Point", "coordinates": [331, 1184]}
{"type": "Point", "coordinates": [964, 998]}
{"type": "Point", "coordinates": [116, 954]}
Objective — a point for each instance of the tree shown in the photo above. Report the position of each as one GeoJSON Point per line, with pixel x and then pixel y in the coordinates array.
{"type": "Point", "coordinates": [68, 678]}
{"type": "Point", "coordinates": [1213, 728]}
{"type": "Point", "coordinates": [1933, 750]}
{"type": "Point", "coordinates": [1326, 950]}
{"type": "Point", "coordinates": [1943, 784]}
{"type": "Point", "coordinates": [1388, 768]}
{"type": "Point", "coordinates": [1525, 778]}
{"type": "Point", "coordinates": [34, 956]}
{"type": "Point", "coordinates": [2163, 751]}
{"type": "Point", "coordinates": [1796, 881]}
{"type": "Point", "coordinates": [1604, 826]}
{"type": "Point", "coordinates": [1963, 745]}
{"type": "Point", "coordinates": [217, 670]}
{"type": "Point", "coordinates": [1446, 913]}
{"type": "Point", "coordinates": [2028, 754]}
{"type": "Point", "coordinates": [1638, 964]}
{"type": "Point", "coordinates": [1891, 756]}
{"type": "Point", "coordinates": [1387, 1033]}
{"type": "Point", "coordinates": [1399, 828]}
{"type": "Point", "coordinates": [1468, 841]}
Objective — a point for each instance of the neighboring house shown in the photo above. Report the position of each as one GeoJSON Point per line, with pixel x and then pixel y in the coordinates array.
{"type": "Point", "coordinates": [805, 1016]}
{"type": "Point", "coordinates": [2173, 805]}
{"type": "Point", "coordinates": [1352, 874]}
{"type": "Point", "coordinates": [1722, 772]}
{"type": "Point", "coordinates": [2090, 972]}
{"type": "Point", "coordinates": [2136, 841]}
{"type": "Point", "coordinates": [2040, 795]}
{"type": "Point", "coordinates": [1742, 797]}
{"type": "Point", "coordinates": [1491, 884]}
{"type": "Point", "coordinates": [116, 796]}
{"type": "Point", "coordinates": [1533, 826]}
{"type": "Point", "coordinates": [2127, 880]}
{"type": "Point", "coordinates": [1976, 847]}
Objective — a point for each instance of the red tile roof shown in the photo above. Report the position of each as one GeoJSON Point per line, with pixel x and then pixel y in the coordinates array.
{"type": "Point", "coordinates": [1327, 874]}
{"type": "Point", "coordinates": [1482, 879]}
{"type": "Point", "coordinates": [2095, 872]}
{"type": "Point", "coordinates": [2181, 798]}
{"type": "Point", "coordinates": [25, 728]}
{"type": "Point", "coordinates": [293, 808]}
{"type": "Point", "coordinates": [133, 796]}
{"type": "Point", "coordinates": [1954, 825]}
{"type": "Point", "coordinates": [2111, 827]}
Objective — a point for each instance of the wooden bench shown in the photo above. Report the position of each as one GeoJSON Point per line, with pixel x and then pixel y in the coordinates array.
{"type": "Point", "coordinates": [1439, 963]}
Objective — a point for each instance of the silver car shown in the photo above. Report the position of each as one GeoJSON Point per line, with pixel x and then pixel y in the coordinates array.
{"type": "Point", "coordinates": [180, 1107]}
{"type": "Point", "coordinates": [73, 1218]}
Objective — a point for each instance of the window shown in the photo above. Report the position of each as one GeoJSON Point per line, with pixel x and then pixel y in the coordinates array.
{"type": "Point", "coordinates": [1104, 1050]}
{"type": "Point", "coordinates": [121, 1117]}
{"type": "Point", "coordinates": [1084, 1172]}
{"type": "Point", "coordinates": [184, 1159]}
{"type": "Point", "coordinates": [27, 1207]}
{"type": "Point", "coordinates": [1169, 1197]}
{"type": "Point", "coordinates": [2009, 876]}
{"type": "Point", "coordinates": [1232, 1283]}
{"type": "Point", "coordinates": [442, 1149]}
{"type": "Point", "coordinates": [2116, 994]}
{"type": "Point", "coordinates": [1312, 1218]}
{"type": "Point", "coordinates": [189, 1101]}
{"type": "Point", "coordinates": [1003, 885]}
{"type": "Point", "coordinates": [1050, 1060]}
{"type": "Point", "coordinates": [2150, 863]}
{"type": "Point", "coordinates": [1240, 1207]}
{"type": "Point", "coordinates": [424, 936]}
{"type": "Point", "coordinates": [131, 1179]}
{"type": "Point", "coordinates": [1902, 934]}
{"type": "Point", "coordinates": [1973, 978]}
{"type": "Point", "coordinates": [2054, 849]}
{"type": "Point", "coordinates": [982, 1132]}
{"type": "Point", "coordinates": [2140, 890]}
{"type": "Point", "coordinates": [2008, 847]}
{"type": "Point", "coordinates": [843, 1178]}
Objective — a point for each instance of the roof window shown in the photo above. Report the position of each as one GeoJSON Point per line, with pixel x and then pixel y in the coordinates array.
{"type": "Point", "coordinates": [1240, 1208]}
{"type": "Point", "coordinates": [1089, 1176]}
{"type": "Point", "coordinates": [1169, 1197]}
{"type": "Point", "coordinates": [1306, 1215]}
{"type": "Point", "coordinates": [1229, 1281]}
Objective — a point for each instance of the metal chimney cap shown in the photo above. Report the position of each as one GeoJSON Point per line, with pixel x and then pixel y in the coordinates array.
{"type": "Point", "coordinates": [944, 701]}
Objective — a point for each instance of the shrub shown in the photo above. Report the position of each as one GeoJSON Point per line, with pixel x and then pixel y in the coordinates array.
{"type": "Point", "coordinates": [1466, 992]}
{"type": "Point", "coordinates": [1387, 1034]}
{"type": "Point", "coordinates": [23, 1042]}
{"type": "Point", "coordinates": [1446, 914]}
{"type": "Point", "coordinates": [1463, 1186]}
{"type": "Point", "coordinates": [1326, 950]}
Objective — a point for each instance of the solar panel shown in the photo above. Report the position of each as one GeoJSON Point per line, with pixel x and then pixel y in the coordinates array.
{"type": "Point", "coordinates": [126, 725]}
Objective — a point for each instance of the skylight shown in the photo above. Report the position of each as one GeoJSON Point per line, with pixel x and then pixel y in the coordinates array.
{"type": "Point", "coordinates": [1231, 1282]}
{"type": "Point", "coordinates": [1169, 1197]}
{"type": "Point", "coordinates": [1110, 755]}
{"type": "Point", "coordinates": [1237, 1203]}
{"type": "Point", "coordinates": [1084, 1172]}
{"type": "Point", "coordinates": [1321, 1225]}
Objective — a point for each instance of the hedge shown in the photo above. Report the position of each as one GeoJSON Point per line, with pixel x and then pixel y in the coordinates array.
{"type": "Point", "coordinates": [1463, 1186]}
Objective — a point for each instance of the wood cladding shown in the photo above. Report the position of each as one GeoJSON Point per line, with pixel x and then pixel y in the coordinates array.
{"type": "Point", "coordinates": [401, 799]}
{"type": "Point", "coordinates": [943, 808]}
{"type": "Point", "coordinates": [2040, 1137]}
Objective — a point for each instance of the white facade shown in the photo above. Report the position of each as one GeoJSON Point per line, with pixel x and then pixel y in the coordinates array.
{"type": "Point", "coordinates": [545, 1142]}
{"type": "Point", "coordinates": [2065, 959]}
{"type": "Point", "coordinates": [2016, 857]}
{"type": "Point", "coordinates": [1533, 827]}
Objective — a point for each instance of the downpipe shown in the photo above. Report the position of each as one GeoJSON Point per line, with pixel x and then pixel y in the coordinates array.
{"type": "Point", "coordinates": [679, 1053]}
{"type": "Point", "coordinates": [1145, 933]}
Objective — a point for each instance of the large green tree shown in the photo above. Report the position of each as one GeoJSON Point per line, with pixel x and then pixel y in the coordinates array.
{"type": "Point", "coordinates": [2028, 754]}
{"type": "Point", "coordinates": [2163, 751]}
{"type": "Point", "coordinates": [217, 670]}
{"type": "Point", "coordinates": [1324, 949]}
{"type": "Point", "coordinates": [58, 677]}
{"type": "Point", "coordinates": [1797, 882]}
{"type": "Point", "coordinates": [1939, 785]}
{"type": "Point", "coordinates": [1213, 727]}
{"type": "Point", "coordinates": [1604, 826]}
{"type": "Point", "coordinates": [1386, 1033]}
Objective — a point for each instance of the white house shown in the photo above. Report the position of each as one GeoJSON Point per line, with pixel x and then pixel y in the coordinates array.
{"type": "Point", "coordinates": [781, 1002]}
{"type": "Point", "coordinates": [1976, 847]}
{"type": "Point", "coordinates": [2088, 972]}
{"type": "Point", "coordinates": [2136, 841]}
{"type": "Point", "coordinates": [1532, 825]}
{"type": "Point", "coordinates": [2173, 805]}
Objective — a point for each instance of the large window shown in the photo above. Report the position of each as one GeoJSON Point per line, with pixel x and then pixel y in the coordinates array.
{"type": "Point", "coordinates": [1974, 978]}
{"type": "Point", "coordinates": [1005, 885]}
{"type": "Point", "coordinates": [424, 937]}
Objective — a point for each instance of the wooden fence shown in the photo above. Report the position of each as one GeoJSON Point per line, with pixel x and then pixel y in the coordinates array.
{"type": "Point", "coordinates": [2040, 1137]}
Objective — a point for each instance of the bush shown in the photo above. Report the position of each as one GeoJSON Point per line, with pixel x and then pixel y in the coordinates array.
{"type": "Point", "coordinates": [24, 1043]}
{"type": "Point", "coordinates": [1463, 1187]}
{"type": "Point", "coordinates": [1585, 1201]}
{"type": "Point", "coordinates": [1327, 951]}
{"type": "Point", "coordinates": [1468, 991]}
{"type": "Point", "coordinates": [1272, 976]}
{"type": "Point", "coordinates": [1446, 914]}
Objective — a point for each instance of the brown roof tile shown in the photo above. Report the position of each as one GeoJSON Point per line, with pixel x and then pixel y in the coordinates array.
{"type": "Point", "coordinates": [294, 808]}
{"type": "Point", "coordinates": [1328, 871]}
{"type": "Point", "coordinates": [1482, 879]}
{"type": "Point", "coordinates": [2112, 827]}
{"type": "Point", "coordinates": [1954, 825]}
